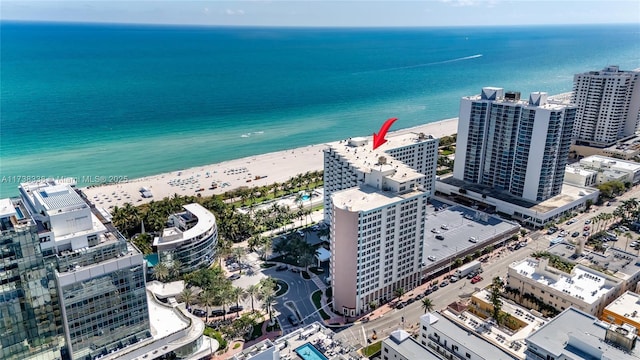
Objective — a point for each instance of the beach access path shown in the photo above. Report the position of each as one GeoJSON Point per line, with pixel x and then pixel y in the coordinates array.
{"type": "Point", "coordinates": [258, 170]}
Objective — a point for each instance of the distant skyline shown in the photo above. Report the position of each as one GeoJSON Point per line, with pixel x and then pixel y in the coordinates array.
{"type": "Point", "coordinates": [356, 13]}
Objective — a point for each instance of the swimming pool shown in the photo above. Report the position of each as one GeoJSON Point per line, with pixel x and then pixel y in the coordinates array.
{"type": "Point", "coordinates": [309, 352]}
{"type": "Point", "coordinates": [305, 197]}
{"type": "Point", "coordinates": [19, 214]}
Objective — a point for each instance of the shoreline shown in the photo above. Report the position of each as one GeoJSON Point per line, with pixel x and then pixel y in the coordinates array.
{"type": "Point", "coordinates": [252, 171]}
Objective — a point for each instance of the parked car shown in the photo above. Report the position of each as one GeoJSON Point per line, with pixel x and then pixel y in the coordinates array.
{"type": "Point", "coordinates": [217, 312]}
{"type": "Point", "coordinates": [295, 270]}
{"type": "Point", "coordinates": [400, 305]}
{"type": "Point", "coordinates": [293, 320]}
{"type": "Point", "coordinates": [575, 234]}
{"type": "Point", "coordinates": [586, 234]}
{"type": "Point", "coordinates": [435, 231]}
{"type": "Point", "coordinates": [587, 222]}
{"type": "Point", "coordinates": [476, 279]}
{"type": "Point", "coordinates": [473, 240]}
{"type": "Point", "coordinates": [365, 319]}
{"type": "Point", "coordinates": [281, 268]}
{"type": "Point", "coordinates": [587, 228]}
{"type": "Point", "coordinates": [453, 279]}
{"type": "Point", "coordinates": [570, 222]}
{"type": "Point", "coordinates": [199, 312]}
{"type": "Point", "coordinates": [235, 309]}
{"type": "Point", "coordinates": [234, 277]}
{"type": "Point", "coordinates": [444, 283]}
{"type": "Point", "coordinates": [439, 237]}
{"type": "Point", "coordinates": [444, 227]}
{"type": "Point", "coordinates": [431, 258]}
{"type": "Point", "coordinates": [434, 288]}
{"type": "Point", "coordinates": [410, 301]}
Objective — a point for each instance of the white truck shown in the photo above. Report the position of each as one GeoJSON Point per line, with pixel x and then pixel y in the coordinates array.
{"type": "Point", "coordinates": [467, 268]}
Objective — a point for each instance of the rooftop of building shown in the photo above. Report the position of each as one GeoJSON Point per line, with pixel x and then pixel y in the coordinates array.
{"type": "Point", "coordinates": [461, 223]}
{"type": "Point", "coordinates": [402, 342]}
{"type": "Point", "coordinates": [314, 334]}
{"type": "Point", "coordinates": [473, 343]}
{"type": "Point", "coordinates": [611, 162]}
{"type": "Point", "coordinates": [577, 335]}
{"type": "Point", "coordinates": [555, 102]}
{"type": "Point", "coordinates": [617, 262]}
{"type": "Point", "coordinates": [611, 70]}
{"type": "Point", "coordinates": [367, 198]}
{"type": "Point", "coordinates": [359, 153]}
{"type": "Point", "coordinates": [55, 196]}
{"type": "Point", "coordinates": [569, 194]}
{"type": "Point", "coordinates": [172, 235]}
{"type": "Point", "coordinates": [583, 283]}
{"type": "Point", "coordinates": [626, 305]}
{"type": "Point", "coordinates": [576, 169]}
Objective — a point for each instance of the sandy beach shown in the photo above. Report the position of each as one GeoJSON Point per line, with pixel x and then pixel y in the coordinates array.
{"type": "Point", "coordinates": [250, 171]}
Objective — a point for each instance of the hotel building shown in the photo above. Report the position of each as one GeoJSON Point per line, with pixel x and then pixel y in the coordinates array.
{"type": "Point", "coordinates": [417, 151]}
{"type": "Point", "coordinates": [191, 240]}
{"type": "Point", "coordinates": [584, 288]}
{"type": "Point", "coordinates": [608, 103]}
{"type": "Point", "coordinates": [377, 229]}
{"type": "Point", "coordinates": [594, 170]}
{"type": "Point", "coordinates": [520, 147]}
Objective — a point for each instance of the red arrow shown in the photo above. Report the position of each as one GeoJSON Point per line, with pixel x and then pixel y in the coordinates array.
{"type": "Point", "coordinates": [379, 138]}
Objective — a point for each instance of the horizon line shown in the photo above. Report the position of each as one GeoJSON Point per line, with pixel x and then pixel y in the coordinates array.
{"type": "Point", "coordinates": [73, 22]}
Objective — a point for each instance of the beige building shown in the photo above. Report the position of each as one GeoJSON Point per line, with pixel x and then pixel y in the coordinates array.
{"type": "Point", "coordinates": [584, 288]}
{"type": "Point", "coordinates": [624, 310]}
{"type": "Point", "coordinates": [377, 237]}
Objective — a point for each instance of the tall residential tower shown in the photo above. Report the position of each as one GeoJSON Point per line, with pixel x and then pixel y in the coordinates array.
{"type": "Point", "coordinates": [512, 145]}
{"type": "Point", "coordinates": [608, 106]}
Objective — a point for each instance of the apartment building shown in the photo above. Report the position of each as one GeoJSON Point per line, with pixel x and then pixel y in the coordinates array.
{"type": "Point", "coordinates": [191, 239]}
{"type": "Point", "coordinates": [608, 106]}
{"type": "Point", "coordinates": [584, 288]}
{"type": "Point", "coordinates": [511, 145]}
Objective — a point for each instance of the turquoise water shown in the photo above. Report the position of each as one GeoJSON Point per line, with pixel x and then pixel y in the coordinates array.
{"type": "Point", "coordinates": [309, 352]}
{"type": "Point", "coordinates": [305, 197]}
{"type": "Point", "coordinates": [128, 100]}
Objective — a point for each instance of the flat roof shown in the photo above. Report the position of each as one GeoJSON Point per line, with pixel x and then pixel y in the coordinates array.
{"type": "Point", "coordinates": [554, 102]}
{"type": "Point", "coordinates": [7, 208]}
{"type": "Point", "coordinates": [583, 283]}
{"type": "Point", "coordinates": [576, 169]}
{"type": "Point", "coordinates": [626, 305]}
{"type": "Point", "coordinates": [474, 344]}
{"type": "Point", "coordinates": [569, 194]}
{"type": "Point", "coordinates": [402, 342]}
{"type": "Point", "coordinates": [58, 197]}
{"type": "Point", "coordinates": [567, 335]}
{"type": "Point", "coordinates": [360, 154]}
{"type": "Point", "coordinates": [367, 198]}
{"type": "Point", "coordinates": [613, 162]}
{"type": "Point", "coordinates": [619, 263]}
{"type": "Point", "coordinates": [462, 223]}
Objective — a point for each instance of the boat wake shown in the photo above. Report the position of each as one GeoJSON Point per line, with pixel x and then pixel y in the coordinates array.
{"type": "Point", "coordinates": [421, 65]}
{"type": "Point", "coordinates": [253, 133]}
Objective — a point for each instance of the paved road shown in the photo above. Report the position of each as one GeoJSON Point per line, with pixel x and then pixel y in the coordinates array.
{"type": "Point", "coordinates": [298, 297]}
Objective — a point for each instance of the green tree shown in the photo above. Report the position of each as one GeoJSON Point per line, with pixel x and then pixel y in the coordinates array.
{"type": "Point", "coordinates": [253, 291]}
{"type": "Point", "coordinates": [187, 296]}
{"type": "Point", "coordinates": [238, 294]}
{"type": "Point", "coordinates": [399, 292]}
{"type": "Point", "coordinates": [161, 272]}
{"type": "Point", "coordinates": [495, 290]}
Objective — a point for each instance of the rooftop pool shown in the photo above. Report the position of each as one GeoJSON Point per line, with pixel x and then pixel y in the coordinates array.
{"type": "Point", "coordinates": [309, 352]}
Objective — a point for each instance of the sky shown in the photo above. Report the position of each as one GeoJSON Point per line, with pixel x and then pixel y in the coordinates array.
{"type": "Point", "coordinates": [318, 13]}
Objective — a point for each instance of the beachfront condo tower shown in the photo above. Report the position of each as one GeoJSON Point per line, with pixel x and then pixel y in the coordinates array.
{"type": "Point", "coordinates": [416, 150]}
{"type": "Point", "coordinates": [608, 106]}
{"type": "Point", "coordinates": [511, 145]}
{"type": "Point", "coordinates": [377, 228]}
{"type": "Point", "coordinates": [191, 239]}
{"type": "Point", "coordinates": [72, 287]}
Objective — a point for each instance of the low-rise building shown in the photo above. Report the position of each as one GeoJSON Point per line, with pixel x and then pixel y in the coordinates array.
{"type": "Point", "coordinates": [604, 168]}
{"type": "Point", "coordinates": [533, 282]}
{"type": "Point", "coordinates": [191, 240]}
{"type": "Point", "coordinates": [576, 335]}
{"type": "Point", "coordinates": [624, 310]}
{"type": "Point", "coordinates": [401, 346]}
{"type": "Point", "coordinates": [449, 340]}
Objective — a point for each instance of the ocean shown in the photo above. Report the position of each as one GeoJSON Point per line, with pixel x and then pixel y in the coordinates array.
{"type": "Point", "coordinates": [135, 100]}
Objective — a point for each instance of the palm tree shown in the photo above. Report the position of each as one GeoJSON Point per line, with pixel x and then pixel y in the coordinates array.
{"type": "Point", "coordinates": [207, 298]}
{"type": "Point", "coordinates": [175, 269]}
{"type": "Point", "coordinates": [223, 250]}
{"type": "Point", "coordinates": [253, 292]}
{"type": "Point", "coordinates": [187, 296]}
{"type": "Point", "coordinates": [399, 292]}
{"type": "Point", "coordinates": [225, 297]}
{"type": "Point", "coordinates": [268, 297]}
{"type": "Point", "coordinates": [629, 236]}
{"type": "Point", "coordinates": [427, 305]}
{"type": "Point", "coordinates": [238, 294]}
{"type": "Point", "coordinates": [239, 254]}
{"type": "Point", "coordinates": [161, 272]}
{"type": "Point", "coordinates": [494, 297]}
